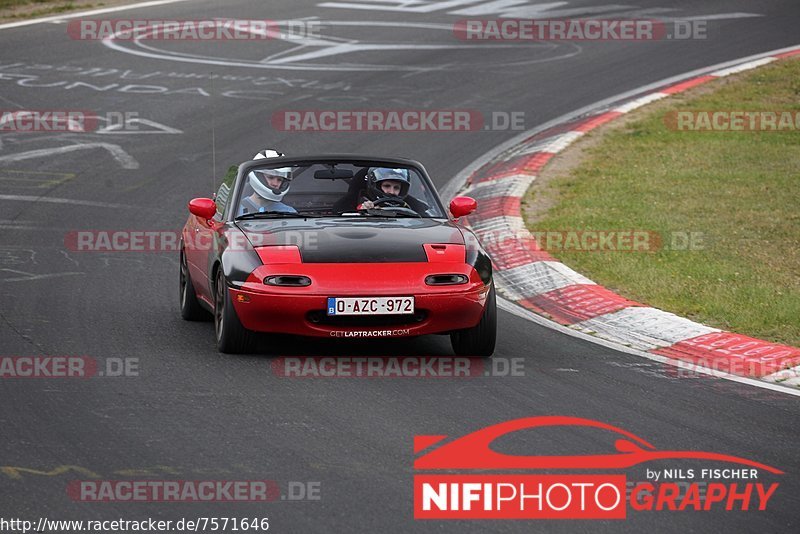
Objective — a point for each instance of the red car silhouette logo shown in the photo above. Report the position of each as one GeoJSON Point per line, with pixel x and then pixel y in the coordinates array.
{"type": "Point", "coordinates": [473, 451]}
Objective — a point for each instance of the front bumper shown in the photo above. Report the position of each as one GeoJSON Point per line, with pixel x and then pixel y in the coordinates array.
{"type": "Point", "coordinates": [302, 310]}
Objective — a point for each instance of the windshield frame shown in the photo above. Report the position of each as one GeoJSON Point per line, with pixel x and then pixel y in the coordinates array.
{"type": "Point", "coordinates": [356, 160]}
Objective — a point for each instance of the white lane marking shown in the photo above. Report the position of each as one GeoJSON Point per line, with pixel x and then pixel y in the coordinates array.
{"type": "Point", "coordinates": [334, 47]}
{"type": "Point", "coordinates": [30, 276]}
{"type": "Point", "coordinates": [522, 313]}
{"type": "Point", "coordinates": [722, 16]}
{"type": "Point", "coordinates": [29, 227]}
{"type": "Point", "coordinates": [16, 222]}
{"type": "Point", "coordinates": [55, 200]}
{"type": "Point", "coordinates": [522, 9]}
{"type": "Point", "coordinates": [125, 160]}
{"type": "Point", "coordinates": [15, 104]}
{"type": "Point", "coordinates": [64, 253]}
{"type": "Point", "coordinates": [117, 129]}
{"type": "Point", "coordinates": [743, 67]}
{"type": "Point", "coordinates": [58, 18]}
{"type": "Point", "coordinates": [644, 328]}
{"type": "Point", "coordinates": [404, 6]}
{"type": "Point", "coordinates": [639, 102]}
{"type": "Point", "coordinates": [512, 9]}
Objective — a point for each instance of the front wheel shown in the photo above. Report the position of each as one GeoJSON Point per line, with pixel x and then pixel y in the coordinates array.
{"type": "Point", "coordinates": [480, 339]}
{"type": "Point", "coordinates": [190, 306]}
{"type": "Point", "coordinates": [232, 337]}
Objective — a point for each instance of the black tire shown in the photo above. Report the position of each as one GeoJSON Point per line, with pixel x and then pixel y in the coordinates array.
{"type": "Point", "coordinates": [480, 339]}
{"type": "Point", "coordinates": [232, 337]}
{"type": "Point", "coordinates": [191, 310]}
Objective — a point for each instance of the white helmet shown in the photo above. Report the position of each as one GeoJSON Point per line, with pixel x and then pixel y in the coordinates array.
{"type": "Point", "coordinates": [259, 178]}
{"type": "Point", "coordinates": [268, 153]}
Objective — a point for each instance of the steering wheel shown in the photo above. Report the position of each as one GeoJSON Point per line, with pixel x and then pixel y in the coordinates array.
{"type": "Point", "coordinates": [390, 201]}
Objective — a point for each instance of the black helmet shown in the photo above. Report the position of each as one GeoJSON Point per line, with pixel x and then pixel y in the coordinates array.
{"type": "Point", "coordinates": [376, 175]}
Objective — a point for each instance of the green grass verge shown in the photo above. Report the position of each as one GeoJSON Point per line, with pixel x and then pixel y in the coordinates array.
{"type": "Point", "coordinates": [741, 189]}
{"type": "Point", "coordinates": [16, 3]}
{"type": "Point", "coordinates": [44, 7]}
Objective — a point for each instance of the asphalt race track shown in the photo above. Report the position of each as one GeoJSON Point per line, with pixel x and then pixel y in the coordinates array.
{"type": "Point", "coordinates": [192, 413]}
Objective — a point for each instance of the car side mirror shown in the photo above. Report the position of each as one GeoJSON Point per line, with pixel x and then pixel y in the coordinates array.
{"type": "Point", "coordinates": [205, 208]}
{"type": "Point", "coordinates": [461, 206]}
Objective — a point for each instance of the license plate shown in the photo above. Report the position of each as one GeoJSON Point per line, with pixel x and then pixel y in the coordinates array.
{"type": "Point", "coordinates": [370, 306]}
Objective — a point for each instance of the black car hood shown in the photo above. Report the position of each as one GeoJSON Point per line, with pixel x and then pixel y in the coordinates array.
{"type": "Point", "coordinates": [354, 240]}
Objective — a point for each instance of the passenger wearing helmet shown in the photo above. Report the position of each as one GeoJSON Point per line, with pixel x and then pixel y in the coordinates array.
{"type": "Point", "coordinates": [385, 187]}
{"type": "Point", "coordinates": [269, 187]}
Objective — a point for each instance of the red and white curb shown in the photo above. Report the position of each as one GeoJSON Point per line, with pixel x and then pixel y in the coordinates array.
{"type": "Point", "coordinates": [534, 280]}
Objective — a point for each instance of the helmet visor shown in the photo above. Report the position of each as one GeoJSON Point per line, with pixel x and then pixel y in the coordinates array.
{"type": "Point", "coordinates": [383, 173]}
{"type": "Point", "coordinates": [277, 180]}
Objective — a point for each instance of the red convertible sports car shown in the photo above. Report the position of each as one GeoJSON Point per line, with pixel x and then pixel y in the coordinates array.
{"type": "Point", "coordinates": [335, 246]}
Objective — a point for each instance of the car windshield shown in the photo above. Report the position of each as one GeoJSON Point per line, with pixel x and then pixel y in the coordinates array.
{"type": "Point", "coordinates": [336, 190]}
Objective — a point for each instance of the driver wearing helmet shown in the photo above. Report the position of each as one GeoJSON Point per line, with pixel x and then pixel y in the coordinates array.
{"type": "Point", "coordinates": [269, 187]}
{"type": "Point", "coordinates": [385, 187]}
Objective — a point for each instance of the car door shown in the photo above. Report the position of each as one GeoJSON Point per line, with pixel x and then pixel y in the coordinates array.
{"type": "Point", "coordinates": [204, 233]}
